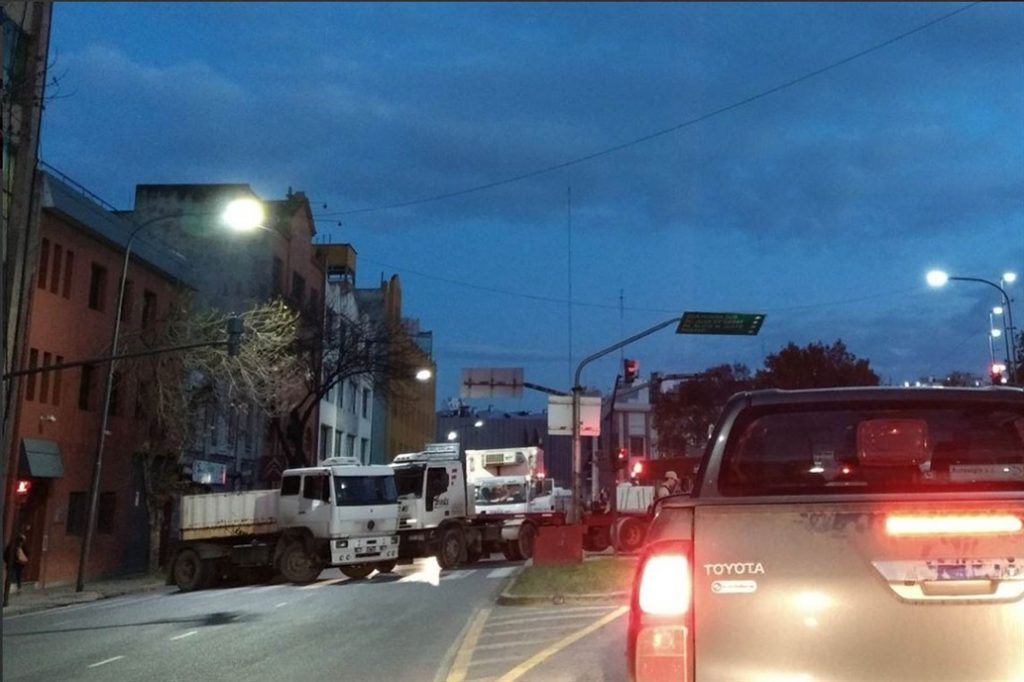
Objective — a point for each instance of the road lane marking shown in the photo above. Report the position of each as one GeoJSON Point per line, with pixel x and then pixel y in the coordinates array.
{"type": "Point", "coordinates": [267, 588]}
{"type": "Point", "coordinates": [553, 629]}
{"type": "Point", "coordinates": [277, 606]}
{"type": "Point", "coordinates": [104, 662]}
{"type": "Point", "coordinates": [183, 636]}
{"type": "Point", "coordinates": [458, 574]}
{"type": "Point", "coordinates": [539, 619]}
{"type": "Point", "coordinates": [506, 645]}
{"type": "Point", "coordinates": [534, 661]}
{"type": "Point", "coordinates": [520, 613]}
{"type": "Point", "coordinates": [323, 583]}
{"type": "Point", "coordinates": [502, 572]}
{"type": "Point", "coordinates": [465, 654]}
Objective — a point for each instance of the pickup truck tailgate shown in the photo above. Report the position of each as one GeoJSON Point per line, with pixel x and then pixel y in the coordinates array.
{"type": "Point", "coordinates": [859, 591]}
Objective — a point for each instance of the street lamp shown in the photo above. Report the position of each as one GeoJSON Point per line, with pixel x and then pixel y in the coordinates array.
{"type": "Point", "coordinates": [424, 375]}
{"type": "Point", "coordinates": [242, 214]}
{"type": "Point", "coordinates": [452, 435]}
{"type": "Point", "coordinates": [938, 278]}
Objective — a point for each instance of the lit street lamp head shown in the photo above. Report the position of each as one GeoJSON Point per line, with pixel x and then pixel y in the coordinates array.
{"type": "Point", "coordinates": [937, 278]}
{"type": "Point", "coordinates": [452, 435]}
{"type": "Point", "coordinates": [998, 310]}
{"type": "Point", "coordinates": [424, 375]}
{"type": "Point", "coordinates": [1009, 277]}
{"type": "Point", "coordinates": [243, 215]}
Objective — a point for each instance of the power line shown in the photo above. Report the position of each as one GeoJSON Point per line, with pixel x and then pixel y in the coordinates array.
{"type": "Point", "coordinates": [646, 138]}
{"type": "Point", "coordinates": [619, 306]}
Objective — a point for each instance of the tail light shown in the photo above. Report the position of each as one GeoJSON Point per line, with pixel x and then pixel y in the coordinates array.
{"type": "Point", "coordinates": [952, 524]}
{"type": "Point", "coordinates": [661, 614]}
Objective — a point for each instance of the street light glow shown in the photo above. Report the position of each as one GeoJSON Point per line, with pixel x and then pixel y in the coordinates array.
{"type": "Point", "coordinates": [937, 278]}
{"type": "Point", "coordinates": [996, 333]}
{"type": "Point", "coordinates": [424, 375]}
{"type": "Point", "coordinates": [478, 423]}
{"type": "Point", "coordinates": [998, 310]}
{"type": "Point", "coordinates": [243, 215]}
{"type": "Point", "coordinates": [452, 435]}
{"type": "Point", "coordinates": [1009, 277]}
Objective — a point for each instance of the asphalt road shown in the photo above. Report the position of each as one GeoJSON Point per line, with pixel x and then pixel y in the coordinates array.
{"type": "Point", "coordinates": [419, 624]}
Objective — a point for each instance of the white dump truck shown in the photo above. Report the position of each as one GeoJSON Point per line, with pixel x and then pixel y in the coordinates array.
{"type": "Point", "coordinates": [510, 481]}
{"type": "Point", "coordinates": [340, 513]}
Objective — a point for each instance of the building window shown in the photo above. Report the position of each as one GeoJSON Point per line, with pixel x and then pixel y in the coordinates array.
{"type": "Point", "coordinates": [55, 270]}
{"type": "Point", "coordinates": [44, 262]}
{"type": "Point", "coordinates": [56, 381]}
{"type": "Point", "coordinates": [128, 301]}
{"type": "Point", "coordinates": [350, 446]}
{"type": "Point", "coordinates": [148, 308]}
{"type": "Point", "coordinates": [69, 267]}
{"type": "Point", "coordinates": [636, 446]}
{"type": "Point", "coordinates": [115, 395]}
{"type": "Point", "coordinates": [366, 403]}
{"type": "Point", "coordinates": [44, 380]}
{"type": "Point", "coordinates": [105, 513]}
{"type": "Point", "coordinates": [97, 287]}
{"type": "Point", "coordinates": [352, 393]}
{"type": "Point", "coordinates": [76, 514]}
{"type": "Point", "coordinates": [298, 287]}
{"type": "Point", "coordinates": [341, 394]}
{"type": "Point", "coordinates": [338, 436]}
{"type": "Point", "coordinates": [325, 442]}
{"type": "Point", "coordinates": [30, 380]}
{"type": "Point", "coordinates": [366, 450]}
{"type": "Point", "coordinates": [85, 387]}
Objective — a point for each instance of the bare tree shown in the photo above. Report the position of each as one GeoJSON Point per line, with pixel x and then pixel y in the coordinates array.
{"type": "Point", "coordinates": [174, 387]}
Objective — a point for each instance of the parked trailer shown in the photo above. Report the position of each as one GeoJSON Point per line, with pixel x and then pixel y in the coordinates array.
{"type": "Point", "coordinates": [340, 514]}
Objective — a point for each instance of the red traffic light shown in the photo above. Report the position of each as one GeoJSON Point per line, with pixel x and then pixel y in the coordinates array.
{"type": "Point", "coordinates": [630, 370]}
{"type": "Point", "coordinates": [23, 488]}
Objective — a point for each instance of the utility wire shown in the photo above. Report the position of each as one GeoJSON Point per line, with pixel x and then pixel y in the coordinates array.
{"type": "Point", "coordinates": [619, 306]}
{"type": "Point", "coordinates": [646, 138]}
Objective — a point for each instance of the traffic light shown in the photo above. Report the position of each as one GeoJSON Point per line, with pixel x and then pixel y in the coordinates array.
{"type": "Point", "coordinates": [997, 373]}
{"type": "Point", "coordinates": [236, 327]}
{"type": "Point", "coordinates": [630, 371]}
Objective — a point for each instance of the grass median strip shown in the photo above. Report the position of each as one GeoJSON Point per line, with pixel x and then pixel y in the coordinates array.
{"type": "Point", "coordinates": [614, 574]}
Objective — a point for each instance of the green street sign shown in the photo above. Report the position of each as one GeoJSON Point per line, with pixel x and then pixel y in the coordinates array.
{"type": "Point", "coordinates": [731, 324]}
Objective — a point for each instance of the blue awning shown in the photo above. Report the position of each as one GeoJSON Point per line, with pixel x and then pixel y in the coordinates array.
{"type": "Point", "coordinates": [41, 458]}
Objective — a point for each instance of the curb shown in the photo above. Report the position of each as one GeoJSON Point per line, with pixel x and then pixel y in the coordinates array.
{"type": "Point", "coordinates": [86, 597]}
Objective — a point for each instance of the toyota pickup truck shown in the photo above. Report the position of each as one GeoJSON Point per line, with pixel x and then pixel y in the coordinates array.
{"type": "Point", "coordinates": [842, 534]}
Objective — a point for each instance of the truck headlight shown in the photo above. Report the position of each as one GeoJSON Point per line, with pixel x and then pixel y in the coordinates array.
{"type": "Point", "coordinates": [341, 544]}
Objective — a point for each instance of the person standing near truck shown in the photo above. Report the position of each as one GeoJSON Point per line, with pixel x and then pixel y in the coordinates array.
{"type": "Point", "coordinates": [669, 486]}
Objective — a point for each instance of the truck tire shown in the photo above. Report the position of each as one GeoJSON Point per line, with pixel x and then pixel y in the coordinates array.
{"type": "Point", "coordinates": [527, 539]}
{"type": "Point", "coordinates": [386, 566]}
{"type": "Point", "coordinates": [597, 539]}
{"type": "Point", "coordinates": [629, 534]}
{"type": "Point", "coordinates": [473, 554]}
{"type": "Point", "coordinates": [357, 571]}
{"type": "Point", "coordinates": [189, 571]}
{"type": "Point", "coordinates": [297, 566]}
{"type": "Point", "coordinates": [511, 551]}
{"type": "Point", "coordinates": [451, 548]}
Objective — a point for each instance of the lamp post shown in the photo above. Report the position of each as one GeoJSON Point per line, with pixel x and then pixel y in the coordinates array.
{"type": "Point", "coordinates": [938, 278]}
{"type": "Point", "coordinates": [240, 214]}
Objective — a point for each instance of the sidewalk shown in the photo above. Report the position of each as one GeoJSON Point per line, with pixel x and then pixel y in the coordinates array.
{"type": "Point", "coordinates": [30, 599]}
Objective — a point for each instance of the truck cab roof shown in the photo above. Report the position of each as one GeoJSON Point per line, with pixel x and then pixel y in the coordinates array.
{"type": "Point", "coordinates": [344, 466]}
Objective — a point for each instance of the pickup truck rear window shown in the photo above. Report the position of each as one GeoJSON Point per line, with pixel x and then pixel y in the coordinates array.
{"type": "Point", "coordinates": [861, 448]}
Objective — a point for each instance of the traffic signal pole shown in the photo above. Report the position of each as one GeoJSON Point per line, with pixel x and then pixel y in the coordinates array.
{"type": "Point", "coordinates": [577, 391]}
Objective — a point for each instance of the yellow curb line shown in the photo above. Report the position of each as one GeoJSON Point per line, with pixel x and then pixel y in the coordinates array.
{"type": "Point", "coordinates": [465, 655]}
{"type": "Point", "coordinates": [529, 664]}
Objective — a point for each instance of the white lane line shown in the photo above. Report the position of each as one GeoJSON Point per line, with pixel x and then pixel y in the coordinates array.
{"type": "Point", "coordinates": [521, 621]}
{"type": "Point", "coordinates": [104, 662]}
{"type": "Point", "coordinates": [503, 572]}
{"type": "Point", "coordinates": [458, 575]}
{"type": "Point", "coordinates": [187, 634]}
{"type": "Point", "coordinates": [323, 583]}
{"type": "Point", "coordinates": [507, 645]}
{"type": "Point", "coordinates": [268, 588]}
{"type": "Point", "coordinates": [553, 629]}
{"type": "Point", "coordinates": [277, 606]}
{"type": "Point", "coordinates": [516, 613]}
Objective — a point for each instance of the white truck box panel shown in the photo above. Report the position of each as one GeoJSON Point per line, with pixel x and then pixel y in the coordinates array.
{"type": "Point", "coordinates": [221, 515]}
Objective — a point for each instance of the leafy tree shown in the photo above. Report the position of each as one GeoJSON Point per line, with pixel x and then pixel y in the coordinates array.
{"type": "Point", "coordinates": [815, 366]}
{"type": "Point", "coordinates": [684, 415]}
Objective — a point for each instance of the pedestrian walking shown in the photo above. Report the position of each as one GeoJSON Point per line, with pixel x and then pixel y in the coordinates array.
{"type": "Point", "coordinates": [16, 556]}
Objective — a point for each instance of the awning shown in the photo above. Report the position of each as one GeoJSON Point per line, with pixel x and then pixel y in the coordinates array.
{"type": "Point", "coordinates": [41, 458]}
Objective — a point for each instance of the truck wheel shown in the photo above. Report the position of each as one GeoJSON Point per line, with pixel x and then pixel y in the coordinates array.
{"type": "Point", "coordinates": [189, 571]}
{"type": "Point", "coordinates": [473, 554]}
{"type": "Point", "coordinates": [451, 549]}
{"type": "Point", "coordinates": [596, 539]}
{"type": "Point", "coordinates": [511, 551]}
{"type": "Point", "coordinates": [357, 571]}
{"type": "Point", "coordinates": [297, 566]}
{"type": "Point", "coordinates": [527, 539]}
{"type": "Point", "coordinates": [629, 535]}
{"type": "Point", "coordinates": [386, 566]}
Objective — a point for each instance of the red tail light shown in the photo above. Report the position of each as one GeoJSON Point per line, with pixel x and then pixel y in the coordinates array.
{"type": "Point", "coordinates": [952, 524]}
{"type": "Point", "coordinates": [661, 632]}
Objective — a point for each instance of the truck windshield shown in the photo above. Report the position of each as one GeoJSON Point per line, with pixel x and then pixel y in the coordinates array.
{"type": "Point", "coordinates": [500, 493]}
{"type": "Point", "coordinates": [863, 448]}
{"type": "Point", "coordinates": [353, 491]}
{"type": "Point", "coordinates": [409, 481]}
